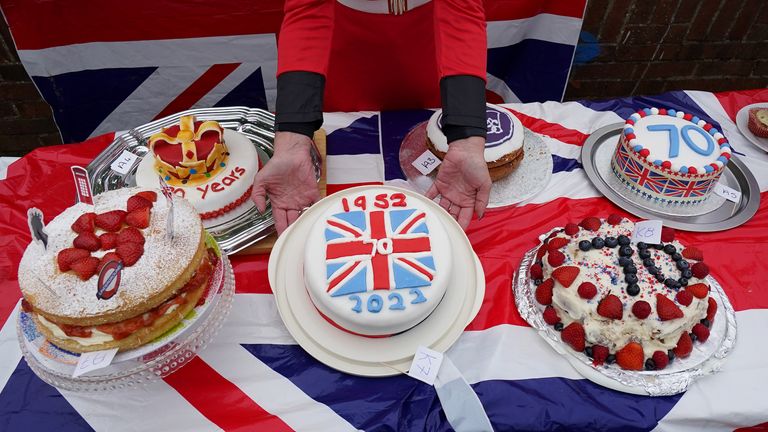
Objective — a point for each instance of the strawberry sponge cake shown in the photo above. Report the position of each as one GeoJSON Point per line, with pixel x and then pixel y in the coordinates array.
{"type": "Point", "coordinates": [111, 276]}
{"type": "Point", "coordinates": [639, 305]}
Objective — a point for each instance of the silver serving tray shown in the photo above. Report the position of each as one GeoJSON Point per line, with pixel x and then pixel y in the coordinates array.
{"type": "Point", "coordinates": [256, 124]}
{"type": "Point", "coordinates": [716, 214]}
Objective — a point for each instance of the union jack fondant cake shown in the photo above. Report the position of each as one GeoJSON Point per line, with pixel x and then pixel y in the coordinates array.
{"type": "Point", "coordinates": [376, 263]}
{"type": "Point", "coordinates": [636, 304]}
{"type": "Point", "coordinates": [210, 166]}
{"type": "Point", "coordinates": [503, 145]}
{"type": "Point", "coordinates": [670, 157]}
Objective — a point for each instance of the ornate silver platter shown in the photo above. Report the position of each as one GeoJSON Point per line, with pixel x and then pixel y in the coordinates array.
{"type": "Point", "coordinates": [716, 214]}
{"type": "Point", "coordinates": [706, 358]}
{"type": "Point", "coordinates": [256, 124]}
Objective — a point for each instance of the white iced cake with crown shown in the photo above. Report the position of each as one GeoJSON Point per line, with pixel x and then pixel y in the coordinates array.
{"type": "Point", "coordinates": [377, 262]}
{"type": "Point", "coordinates": [640, 305]}
{"type": "Point", "coordinates": [210, 166]}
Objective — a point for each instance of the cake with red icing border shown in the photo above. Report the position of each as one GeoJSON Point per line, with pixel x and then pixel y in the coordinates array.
{"type": "Point", "coordinates": [758, 122]}
{"type": "Point", "coordinates": [210, 166]}
{"type": "Point", "coordinates": [670, 157]}
{"type": "Point", "coordinates": [157, 279]}
{"type": "Point", "coordinates": [378, 262]}
{"type": "Point", "coordinates": [640, 305]}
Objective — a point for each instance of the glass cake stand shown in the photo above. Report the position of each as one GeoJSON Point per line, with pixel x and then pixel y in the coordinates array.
{"type": "Point", "coordinates": [155, 360]}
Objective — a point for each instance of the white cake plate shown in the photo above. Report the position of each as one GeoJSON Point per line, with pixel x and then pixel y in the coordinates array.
{"type": "Point", "coordinates": [358, 355]}
{"type": "Point", "coordinates": [742, 121]}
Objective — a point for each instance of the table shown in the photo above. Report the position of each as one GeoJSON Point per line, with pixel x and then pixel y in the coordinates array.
{"type": "Point", "coordinates": [255, 377]}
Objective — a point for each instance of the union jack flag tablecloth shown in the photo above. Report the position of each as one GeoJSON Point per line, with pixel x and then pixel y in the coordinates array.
{"type": "Point", "coordinates": [255, 377]}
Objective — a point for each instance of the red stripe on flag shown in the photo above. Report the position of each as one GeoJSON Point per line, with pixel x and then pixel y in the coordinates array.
{"type": "Point", "coordinates": [79, 21]}
{"type": "Point", "coordinates": [411, 245]}
{"type": "Point", "coordinates": [416, 267]}
{"type": "Point", "coordinates": [513, 10]}
{"type": "Point", "coordinates": [762, 427]}
{"type": "Point", "coordinates": [379, 262]}
{"type": "Point", "coordinates": [205, 83]}
{"type": "Point", "coordinates": [341, 277]}
{"type": "Point", "coordinates": [568, 136]}
{"type": "Point", "coordinates": [251, 273]}
{"type": "Point", "coordinates": [220, 400]}
{"type": "Point", "coordinates": [733, 101]}
{"type": "Point", "coordinates": [347, 249]}
{"type": "Point", "coordinates": [412, 223]}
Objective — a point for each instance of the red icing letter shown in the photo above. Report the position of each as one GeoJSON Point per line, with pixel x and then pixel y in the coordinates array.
{"type": "Point", "coordinates": [398, 200]}
{"type": "Point", "coordinates": [381, 201]}
{"type": "Point", "coordinates": [179, 192]}
{"type": "Point", "coordinates": [360, 202]}
{"type": "Point", "coordinates": [345, 204]}
{"type": "Point", "coordinates": [217, 187]}
{"type": "Point", "coordinates": [204, 191]}
{"type": "Point", "coordinates": [228, 180]}
{"type": "Point", "coordinates": [239, 170]}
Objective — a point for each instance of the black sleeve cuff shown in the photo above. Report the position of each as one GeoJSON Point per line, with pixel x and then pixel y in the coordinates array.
{"type": "Point", "coordinates": [299, 105]}
{"type": "Point", "coordinates": [463, 99]}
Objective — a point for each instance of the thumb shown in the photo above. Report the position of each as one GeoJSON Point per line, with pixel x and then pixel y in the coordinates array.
{"type": "Point", "coordinates": [481, 200]}
{"type": "Point", "coordinates": [259, 195]}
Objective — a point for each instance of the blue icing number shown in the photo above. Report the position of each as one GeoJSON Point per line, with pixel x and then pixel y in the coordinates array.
{"type": "Point", "coordinates": [685, 132]}
{"type": "Point", "coordinates": [375, 303]}
{"type": "Point", "coordinates": [419, 296]}
{"type": "Point", "coordinates": [397, 300]}
{"type": "Point", "coordinates": [358, 303]}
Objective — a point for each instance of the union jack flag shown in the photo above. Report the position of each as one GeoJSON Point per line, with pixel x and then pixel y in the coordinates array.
{"type": "Point", "coordinates": [683, 188]}
{"type": "Point", "coordinates": [381, 250]}
{"type": "Point", "coordinates": [644, 177]}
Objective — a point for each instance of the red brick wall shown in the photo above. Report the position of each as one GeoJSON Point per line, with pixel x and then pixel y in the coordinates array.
{"type": "Point", "coordinates": [649, 47]}
{"type": "Point", "coordinates": [646, 47]}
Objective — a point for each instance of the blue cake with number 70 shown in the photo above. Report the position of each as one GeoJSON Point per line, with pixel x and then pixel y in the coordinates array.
{"type": "Point", "coordinates": [670, 157]}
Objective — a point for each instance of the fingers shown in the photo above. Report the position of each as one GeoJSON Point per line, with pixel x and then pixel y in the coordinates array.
{"type": "Point", "coordinates": [454, 211]}
{"type": "Point", "coordinates": [259, 196]}
{"type": "Point", "coordinates": [481, 200]}
{"type": "Point", "coordinates": [445, 204]}
{"type": "Point", "coordinates": [281, 219]}
{"type": "Point", "coordinates": [432, 192]}
{"type": "Point", "coordinates": [292, 215]}
{"type": "Point", "coordinates": [465, 216]}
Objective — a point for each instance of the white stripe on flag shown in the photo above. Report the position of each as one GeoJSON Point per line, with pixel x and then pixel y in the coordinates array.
{"type": "Point", "coordinates": [334, 121]}
{"type": "Point", "coordinates": [735, 396]}
{"type": "Point", "coordinates": [151, 407]}
{"type": "Point", "coordinates": [498, 86]}
{"type": "Point", "coordinates": [546, 27]}
{"type": "Point", "coordinates": [755, 157]}
{"type": "Point", "coordinates": [254, 319]}
{"type": "Point", "coordinates": [570, 115]}
{"type": "Point", "coordinates": [362, 168]}
{"type": "Point", "coordinates": [272, 391]}
{"type": "Point", "coordinates": [10, 353]}
{"type": "Point", "coordinates": [507, 352]}
{"type": "Point", "coordinates": [234, 79]}
{"type": "Point", "coordinates": [567, 184]}
{"type": "Point", "coordinates": [192, 52]}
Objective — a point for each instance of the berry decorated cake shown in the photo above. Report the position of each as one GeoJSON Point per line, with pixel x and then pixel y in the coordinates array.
{"type": "Point", "coordinates": [670, 157]}
{"type": "Point", "coordinates": [758, 122]}
{"type": "Point", "coordinates": [640, 305]}
{"type": "Point", "coordinates": [210, 166]}
{"type": "Point", "coordinates": [377, 263]}
{"type": "Point", "coordinates": [503, 145]}
{"type": "Point", "coordinates": [110, 276]}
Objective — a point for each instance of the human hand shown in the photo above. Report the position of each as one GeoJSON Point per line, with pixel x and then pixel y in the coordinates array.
{"type": "Point", "coordinates": [288, 179]}
{"type": "Point", "coordinates": [463, 182]}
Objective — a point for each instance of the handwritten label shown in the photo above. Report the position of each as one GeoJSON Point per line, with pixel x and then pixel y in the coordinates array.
{"type": "Point", "coordinates": [647, 232]}
{"type": "Point", "coordinates": [426, 163]}
{"type": "Point", "coordinates": [124, 162]}
{"type": "Point", "coordinates": [92, 361]}
{"type": "Point", "coordinates": [727, 192]}
{"type": "Point", "coordinates": [425, 365]}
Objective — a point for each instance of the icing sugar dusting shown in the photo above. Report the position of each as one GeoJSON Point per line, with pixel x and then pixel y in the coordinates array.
{"type": "Point", "coordinates": [163, 260]}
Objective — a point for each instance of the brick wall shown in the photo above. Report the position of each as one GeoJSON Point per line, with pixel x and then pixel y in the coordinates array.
{"type": "Point", "coordinates": [649, 47]}
{"type": "Point", "coordinates": [645, 47]}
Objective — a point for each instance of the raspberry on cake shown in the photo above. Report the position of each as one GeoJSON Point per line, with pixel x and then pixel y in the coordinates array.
{"type": "Point", "coordinates": [161, 279]}
{"type": "Point", "coordinates": [670, 157]}
{"type": "Point", "coordinates": [210, 166]}
{"type": "Point", "coordinates": [377, 262]}
{"type": "Point", "coordinates": [633, 301]}
{"type": "Point", "coordinates": [503, 145]}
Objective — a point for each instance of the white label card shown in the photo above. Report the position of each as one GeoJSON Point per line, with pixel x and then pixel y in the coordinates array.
{"type": "Point", "coordinates": [647, 231]}
{"type": "Point", "coordinates": [425, 365]}
{"type": "Point", "coordinates": [124, 162]}
{"type": "Point", "coordinates": [92, 361]}
{"type": "Point", "coordinates": [727, 192]}
{"type": "Point", "coordinates": [426, 163]}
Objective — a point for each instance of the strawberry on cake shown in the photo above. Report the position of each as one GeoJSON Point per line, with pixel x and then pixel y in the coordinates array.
{"type": "Point", "coordinates": [111, 276]}
{"type": "Point", "coordinates": [639, 305]}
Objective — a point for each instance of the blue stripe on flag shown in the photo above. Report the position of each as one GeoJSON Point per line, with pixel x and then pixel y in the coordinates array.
{"type": "Point", "coordinates": [395, 125]}
{"type": "Point", "coordinates": [561, 164]}
{"type": "Point", "coordinates": [398, 216]}
{"type": "Point", "coordinates": [376, 404]}
{"type": "Point", "coordinates": [250, 93]}
{"type": "Point", "coordinates": [535, 70]}
{"type": "Point", "coordinates": [29, 404]}
{"type": "Point", "coordinates": [564, 404]}
{"type": "Point", "coordinates": [360, 137]}
{"type": "Point", "coordinates": [82, 100]}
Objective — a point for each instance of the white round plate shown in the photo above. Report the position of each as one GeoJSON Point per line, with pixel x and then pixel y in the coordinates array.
{"type": "Point", "coordinates": [742, 119]}
{"type": "Point", "coordinates": [371, 356]}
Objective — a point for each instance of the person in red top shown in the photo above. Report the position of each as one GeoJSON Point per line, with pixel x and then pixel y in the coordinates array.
{"type": "Point", "coordinates": [379, 55]}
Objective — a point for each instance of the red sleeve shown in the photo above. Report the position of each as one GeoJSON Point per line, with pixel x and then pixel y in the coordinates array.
{"type": "Point", "coordinates": [460, 38]}
{"type": "Point", "coordinates": [305, 36]}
